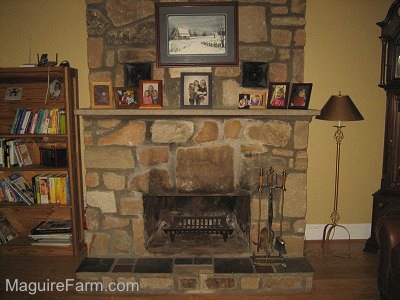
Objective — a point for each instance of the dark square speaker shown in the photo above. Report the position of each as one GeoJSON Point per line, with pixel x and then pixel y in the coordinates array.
{"type": "Point", "coordinates": [255, 74]}
{"type": "Point", "coordinates": [135, 72]}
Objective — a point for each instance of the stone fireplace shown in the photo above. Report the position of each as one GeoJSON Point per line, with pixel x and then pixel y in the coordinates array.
{"type": "Point", "coordinates": [174, 155]}
{"type": "Point", "coordinates": [146, 168]}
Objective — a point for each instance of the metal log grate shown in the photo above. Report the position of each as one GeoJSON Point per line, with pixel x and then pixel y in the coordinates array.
{"type": "Point", "coordinates": [198, 225]}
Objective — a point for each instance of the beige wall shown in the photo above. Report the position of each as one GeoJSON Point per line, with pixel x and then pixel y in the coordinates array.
{"type": "Point", "coordinates": [342, 53]}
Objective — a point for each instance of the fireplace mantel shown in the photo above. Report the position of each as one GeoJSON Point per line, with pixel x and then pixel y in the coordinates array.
{"type": "Point", "coordinates": [234, 113]}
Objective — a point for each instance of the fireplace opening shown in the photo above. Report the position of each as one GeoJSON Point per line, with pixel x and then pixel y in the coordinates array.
{"type": "Point", "coordinates": [197, 224]}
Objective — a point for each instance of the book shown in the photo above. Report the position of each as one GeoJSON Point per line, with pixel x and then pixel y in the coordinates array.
{"type": "Point", "coordinates": [7, 232]}
{"type": "Point", "coordinates": [52, 227]}
{"type": "Point", "coordinates": [23, 154]}
{"type": "Point", "coordinates": [17, 118]}
{"type": "Point", "coordinates": [9, 195]}
{"type": "Point", "coordinates": [62, 121]}
{"type": "Point", "coordinates": [43, 191]}
{"type": "Point", "coordinates": [21, 188]}
{"type": "Point", "coordinates": [61, 188]}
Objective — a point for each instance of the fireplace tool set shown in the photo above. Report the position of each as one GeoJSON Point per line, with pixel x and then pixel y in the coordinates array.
{"type": "Point", "coordinates": [267, 242]}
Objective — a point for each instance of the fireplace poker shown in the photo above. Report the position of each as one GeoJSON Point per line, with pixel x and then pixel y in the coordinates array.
{"type": "Point", "coordinates": [260, 187]}
{"type": "Point", "coordinates": [279, 242]}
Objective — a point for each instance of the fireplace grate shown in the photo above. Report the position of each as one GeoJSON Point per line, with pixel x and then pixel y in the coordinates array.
{"type": "Point", "coordinates": [198, 225]}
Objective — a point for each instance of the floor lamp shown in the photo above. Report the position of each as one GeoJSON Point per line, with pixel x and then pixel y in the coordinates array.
{"type": "Point", "coordinates": [338, 108]}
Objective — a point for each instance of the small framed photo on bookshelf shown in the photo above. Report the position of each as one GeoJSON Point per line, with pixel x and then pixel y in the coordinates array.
{"type": "Point", "coordinates": [13, 93]}
{"type": "Point", "coordinates": [300, 96]}
{"type": "Point", "coordinates": [252, 100]}
{"type": "Point", "coordinates": [101, 95]}
{"type": "Point", "coordinates": [55, 89]}
{"type": "Point", "coordinates": [278, 95]}
{"type": "Point", "coordinates": [150, 92]}
{"type": "Point", "coordinates": [126, 97]}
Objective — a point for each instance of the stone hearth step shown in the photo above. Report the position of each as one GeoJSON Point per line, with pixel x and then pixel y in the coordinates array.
{"type": "Point", "coordinates": [198, 274]}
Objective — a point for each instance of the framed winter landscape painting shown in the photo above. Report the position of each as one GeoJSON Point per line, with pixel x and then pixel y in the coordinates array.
{"type": "Point", "coordinates": [193, 34]}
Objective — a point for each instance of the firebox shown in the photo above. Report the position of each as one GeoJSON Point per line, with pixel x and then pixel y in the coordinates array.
{"type": "Point", "coordinates": [197, 224]}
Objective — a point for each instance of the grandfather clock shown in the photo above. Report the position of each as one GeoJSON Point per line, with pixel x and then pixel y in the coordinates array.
{"type": "Point", "coordinates": [386, 201]}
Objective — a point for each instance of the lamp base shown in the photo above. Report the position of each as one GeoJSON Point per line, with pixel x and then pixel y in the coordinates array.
{"type": "Point", "coordinates": [328, 234]}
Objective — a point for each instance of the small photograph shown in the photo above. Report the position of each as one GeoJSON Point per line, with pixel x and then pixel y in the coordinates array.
{"type": "Point", "coordinates": [150, 94]}
{"type": "Point", "coordinates": [300, 96]}
{"type": "Point", "coordinates": [196, 90]}
{"type": "Point", "coordinates": [55, 89]}
{"type": "Point", "coordinates": [101, 94]}
{"type": "Point", "coordinates": [252, 100]}
{"type": "Point", "coordinates": [278, 95]}
{"type": "Point", "coordinates": [13, 93]}
{"type": "Point", "coordinates": [126, 97]}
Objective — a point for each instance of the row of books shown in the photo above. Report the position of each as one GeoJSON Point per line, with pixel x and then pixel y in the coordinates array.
{"type": "Point", "coordinates": [52, 233]}
{"type": "Point", "coordinates": [14, 153]}
{"type": "Point", "coordinates": [39, 121]}
{"type": "Point", "coordinates": [45, 189]}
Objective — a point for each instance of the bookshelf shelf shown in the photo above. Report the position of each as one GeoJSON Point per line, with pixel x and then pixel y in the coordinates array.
{"type": "Point", "coordinates": [37, 94]}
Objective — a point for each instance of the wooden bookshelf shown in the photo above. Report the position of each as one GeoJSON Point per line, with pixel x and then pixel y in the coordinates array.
{"type": "Point", "coordinates": [35, 84]}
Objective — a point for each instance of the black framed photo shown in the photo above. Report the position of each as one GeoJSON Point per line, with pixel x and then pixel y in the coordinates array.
{"type": "Point", "coordinates": [196, 90]}
{"type": "Point", "coordinates": [126, 97]}
{"type": "Point", "coordinates": [197, 33]}
{"type": "Point", "coordinates": [278, 95]}
{"type": "Point", "coordinates": [300, 95]}
{"type": "Point", "coordinates": [150, 92]}
{"type": "Point", "coordinates": [134, 72]}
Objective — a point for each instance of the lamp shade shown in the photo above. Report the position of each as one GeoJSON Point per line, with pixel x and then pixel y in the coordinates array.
{"type": "Point", "coordinates": [340, 108]}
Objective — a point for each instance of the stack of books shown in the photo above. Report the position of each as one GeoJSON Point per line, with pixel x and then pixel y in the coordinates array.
{"type": "Point", "coordinates": [15, 188]}
{"type": "Point", "coordinates": [52, 233]}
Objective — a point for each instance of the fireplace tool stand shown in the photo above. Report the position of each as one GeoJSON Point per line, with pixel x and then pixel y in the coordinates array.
{"type": "Point", "coordinates": [266, 236]}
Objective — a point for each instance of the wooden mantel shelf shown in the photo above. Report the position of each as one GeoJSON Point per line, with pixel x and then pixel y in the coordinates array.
{"type": "Point", "coordinates": [166, 112]}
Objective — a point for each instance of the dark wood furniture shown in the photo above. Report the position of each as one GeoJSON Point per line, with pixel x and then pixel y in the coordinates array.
{"type": "Point", "coordinates": [37, 90]}
{"type": "Point", "coordinates": [388, 234]}
{"type": "Point", "coordinates": [386, 201]}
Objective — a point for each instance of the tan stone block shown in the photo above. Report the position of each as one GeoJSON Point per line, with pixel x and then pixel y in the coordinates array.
{"type": "Point", "coordinates": [121, 12]}
{"type": "Point", "coordinates": [176, 72]}
{"type": "Point", "coordinates": [232, 129]}
{"type": "Point", "coordinates": [133, 133]}
{"type": "Point", "coordinates": [298, 66]}
{"type": "Point", "coordinates": [131, 206]}
{"type": "Point", "coordinates": [99, 244]}
{"type": "Point", "coordinates": [294, 244]}
{"type": "Point", "coordinates": [107, 158]}
{"type": "Point", "coordinates": [301, 160]}
{"type": "Point", "coordinates": [252, 25]}
{"type": "Point", "coordinates": [111, 222]}
{"type": "Point", "coordinates": [221, 283]}
{"type": "Point", "coordinates": [274, 133]}
{"type": "Point", "coordinates": [103, 200]}
{"type": "Point", "coordinates": [282, 283]}
{"type": "Point", "coordinates": [252, 149]}
{"type": "Point", "coordinates": [298, 6]}
{"type": "Point", "coordinates": [153, 155]}
{"type": "Point", "coordinates": [93, 218]}
{"type": "Point", "coordinates": [156, 283]}
{"type": "Point", "coordinates": [261, 53]}
{"type": "Point", "coordinates": [120, 243]}
{"type": "Point", "coordinates": [278, 72]}
{"type": "Point", "coordinates": [208, 133]}
{"type": "Point", "coordinates": [279, 10]}
{"type": "Point", "coordinates": [108, 123]}
{"type": "Point", "coordinates": [296, 195]}
{"type": "Point", "coordinates": [250, 282]}
{"type": "Point", "coordinates": [114, 181]}
{"type": "Point", "coordinates": [92, 179]}
{"type": "Point", "coordinates": [282, 152]}
{"type": "Point", "coordinates": [138, 237]}
{"type": "Point", "coordinates": [170, 131]}
{"type": "Point", "coordinates": [88, 138]}
{"type": "Point", "coordinates": [100, 76]}
{"type": "Point", "coordinates": [300, 37]}
{"type": "Point", "coordinates": [227, 71]}
{"type": "Point", "coordinates": [137, 54]}
{"type": "Point", "coordinates": [95, 48]}
{"type": "Point", "coordinates": [110, 58]}
{"type": "Point", "coordinates": [299, 226]}
{"type": "Point", "coordinates": [230, 92]}
{"type": "Point", "coordinates": [281, 38]}
{"type": "Point", "coordinates": [284, 54]}
{"type": "Point", "coordinates": [301, 129]}
{"type": "Point", "coordinates": [288, 21]}
{"type": "Point", "coordinates": [154, 181]}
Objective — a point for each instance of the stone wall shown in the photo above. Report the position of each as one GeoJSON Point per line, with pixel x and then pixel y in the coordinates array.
{"type": "Point", "coordinates": [121, 32]}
